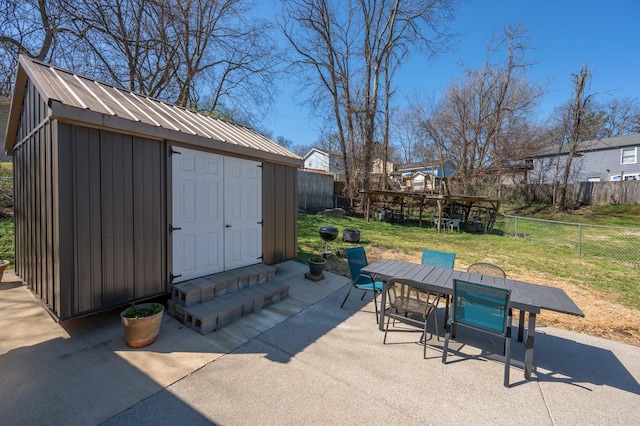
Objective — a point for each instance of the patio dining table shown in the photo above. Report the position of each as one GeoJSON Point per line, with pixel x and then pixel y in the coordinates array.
{"type": "Point", "coordinates": [526, 297]}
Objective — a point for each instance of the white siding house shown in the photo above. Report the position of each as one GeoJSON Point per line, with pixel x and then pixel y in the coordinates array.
{"type": "Point", "coordinates": [329, 162]}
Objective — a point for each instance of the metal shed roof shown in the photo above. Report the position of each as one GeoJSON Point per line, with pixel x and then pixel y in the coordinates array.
{"type": "Point", "coordinates": [85, 101]}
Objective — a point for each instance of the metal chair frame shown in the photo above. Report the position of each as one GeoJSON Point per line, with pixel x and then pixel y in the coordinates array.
{"type": "Point", "coordinates": [408, 299]}
{"type": "Point", "coordinates": [488, 269]}
{"type": "Point", "coordinates": [357, 258]}
{"type": "Point", "coordinates": [483, 308]}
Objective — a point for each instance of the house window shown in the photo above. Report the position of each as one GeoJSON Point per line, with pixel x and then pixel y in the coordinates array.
{"type": "Point", "coordinates": [632, 176]}
{"type": "Point", "coordinates": [629, 155]}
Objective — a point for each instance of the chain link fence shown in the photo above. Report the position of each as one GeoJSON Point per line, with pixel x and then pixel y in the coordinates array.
{"type": "Point", "coordinates": [617, 243]}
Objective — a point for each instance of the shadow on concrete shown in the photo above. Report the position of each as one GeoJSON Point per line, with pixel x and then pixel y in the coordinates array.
{"type": "Point", "coordinates": [76, 372]}
{"type": "Point", "coordinates": [568, 361]}
{"type": "Point", "coordinates": [49, 376]}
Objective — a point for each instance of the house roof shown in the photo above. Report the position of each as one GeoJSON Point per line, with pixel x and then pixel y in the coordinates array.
{"type": "Point", "coordinates": [328, 153]}
{"type": "Point", "coordinates": [592, 145]}
{"type": "Point", "coordinates": [422, 165]}
{"type": "Point", "coordinates": [81, 100]}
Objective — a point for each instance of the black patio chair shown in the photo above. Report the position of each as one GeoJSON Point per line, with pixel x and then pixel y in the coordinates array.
{"type": "Point", "coordinates": [411, 302]}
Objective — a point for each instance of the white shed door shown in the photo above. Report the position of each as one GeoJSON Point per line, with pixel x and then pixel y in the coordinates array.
{"type": "Point", "coordinates": [243, 212]}
{"type": "Point", "coordinates": [216, 201]}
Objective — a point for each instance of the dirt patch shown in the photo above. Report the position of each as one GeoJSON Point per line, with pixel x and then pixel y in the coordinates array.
{"type": "Point", "coordinates": [602, 318]}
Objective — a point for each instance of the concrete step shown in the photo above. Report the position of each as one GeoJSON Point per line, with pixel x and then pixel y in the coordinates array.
{"type": "Point", "coordinates": [202, 289]}
{"type": "Point", "coordinates": [209, 303]}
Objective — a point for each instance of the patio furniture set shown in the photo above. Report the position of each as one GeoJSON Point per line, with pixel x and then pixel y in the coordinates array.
{"type": "Point", "coordinates": [481, 299]}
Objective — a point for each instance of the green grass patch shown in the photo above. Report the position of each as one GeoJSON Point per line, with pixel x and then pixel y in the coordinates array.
{"type": "Point", "coordinates": [519, 257]}
{"type": "Point", "coordinates": [627, 215]}
{"type": "Point", "coordinates": [6, 240]}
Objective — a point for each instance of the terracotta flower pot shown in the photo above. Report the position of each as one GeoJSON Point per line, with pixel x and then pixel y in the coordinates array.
{"type": "Point", "coordinates": [3, 266]}
{"type": "Point", "coordinates": [140, 328]}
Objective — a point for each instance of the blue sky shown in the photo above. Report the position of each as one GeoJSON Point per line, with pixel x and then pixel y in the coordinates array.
{"type": "Point", "coordinates": [563, 35]}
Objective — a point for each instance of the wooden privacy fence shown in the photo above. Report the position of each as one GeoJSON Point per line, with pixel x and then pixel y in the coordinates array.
{"type": "Point", "coordinates": [592, 193]}
{"type": "Point", "coordinates": [315, 191]}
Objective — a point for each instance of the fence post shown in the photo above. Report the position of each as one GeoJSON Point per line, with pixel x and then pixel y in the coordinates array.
{"type": "Point", "coordinates": [580, 239]}
{"type": "Point", "coordinates": [515, 232]}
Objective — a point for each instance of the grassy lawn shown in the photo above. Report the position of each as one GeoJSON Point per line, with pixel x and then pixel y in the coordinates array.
{"type": "Point", "coordinates": [617, 281]}
{"type": "Point", "coordinates": [610, 214]}
{"type": "Point", "coordinates": [6, 239]}
{"type": "Point", "coordinates": [522, 259]}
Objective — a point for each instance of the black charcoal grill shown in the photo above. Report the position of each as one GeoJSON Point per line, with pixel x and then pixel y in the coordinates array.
{"type": "Point", "coordinates": [329, 233]}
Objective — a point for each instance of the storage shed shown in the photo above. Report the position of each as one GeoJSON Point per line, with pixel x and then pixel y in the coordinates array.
{"type": "Point", "coordinates": [118, 196]}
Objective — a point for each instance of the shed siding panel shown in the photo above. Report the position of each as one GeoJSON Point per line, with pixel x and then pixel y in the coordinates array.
{"type": "Point", "coordinates": [64, 250]}
{"type": "Point", "coordinates": [48, 212]}
{"type": "Point", "coordinates": [280, 209]}
{"type": "Point", "coordinates": [88, 232]}
{"type": "Point", "coordinates": [280, 214]}
{"type": "Point", "coordinates": [32, 214]}
{"type": "Point", "coordinates": [150, 227]}
{"type": "Point", "coordinates": [268, 213]}
{"type": "Point", "coordinates": [116, 152]}
{"type": "Point", "coordinates": [291, 187]}
{"type": "Point", "coordinates": [121, 225]}
{"type": "Point", "coordinates": [90, 218]}
{"type": "Point", "coordinates": [33, 192]}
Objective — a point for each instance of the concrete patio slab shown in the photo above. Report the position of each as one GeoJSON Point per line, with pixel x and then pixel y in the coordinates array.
{"type": "Point", "coordinates": [301, 361]}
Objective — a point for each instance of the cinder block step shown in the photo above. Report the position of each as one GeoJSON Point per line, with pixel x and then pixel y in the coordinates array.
{"type": "Point", "coordinates": [216, 313]}
{"type": "Point", "coordinates": [273, 291]}
{"type": "Point", "coordinates": [253, 275]}
{"type": "Point", "coordinates": [202, 289]}
{"type": "Point", "coordinates": [209, 303]}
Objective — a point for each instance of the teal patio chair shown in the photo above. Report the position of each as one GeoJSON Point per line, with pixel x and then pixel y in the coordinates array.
{"type": "Point", "coordinates": [441, 259]}
{"type": "Point", "coordinates": [438, 258]}
{"type": "Point", "coordinates": [483, 308]}
{"type": "Point", "coordinates": [357, 259]}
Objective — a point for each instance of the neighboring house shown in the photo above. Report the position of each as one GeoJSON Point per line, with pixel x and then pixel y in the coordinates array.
{"type": "Point", "coordinates": [118, 196]}
{"type": "Point", "coordinates": [378, 166]}
{"type": "Point", "coordinates": [599, 160]}
{"type": "Point", "coordinates": [328, 162]}
{"type": "Point", "coordinates": [425, 176]}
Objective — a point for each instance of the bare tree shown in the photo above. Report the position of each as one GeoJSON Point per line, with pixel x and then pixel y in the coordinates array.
{"type": "Point", "coordinates": [211, 55]}
{"type": "Point", "coordinates": [348, 52]}
{"type": "Point", "coordinates": [407, 132]}
{"type": "Point", "coordinates": [616, 117]}
{"type": "Point", "coordinates": [576, 128]}
{"type": "Point", "coordinates": [176, 50]}
{"type": "Point", "coordinates": [30, 27]}
{"type": "Point", "coordinates": [483, 121]}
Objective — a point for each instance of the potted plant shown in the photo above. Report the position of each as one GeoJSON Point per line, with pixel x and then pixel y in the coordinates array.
{"type": "Point", "coordinates": [142, 324]}
{"type": "Point", "coordinates": [316, 265]}
{"type": "Point", "coordinates": [3, 266]}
